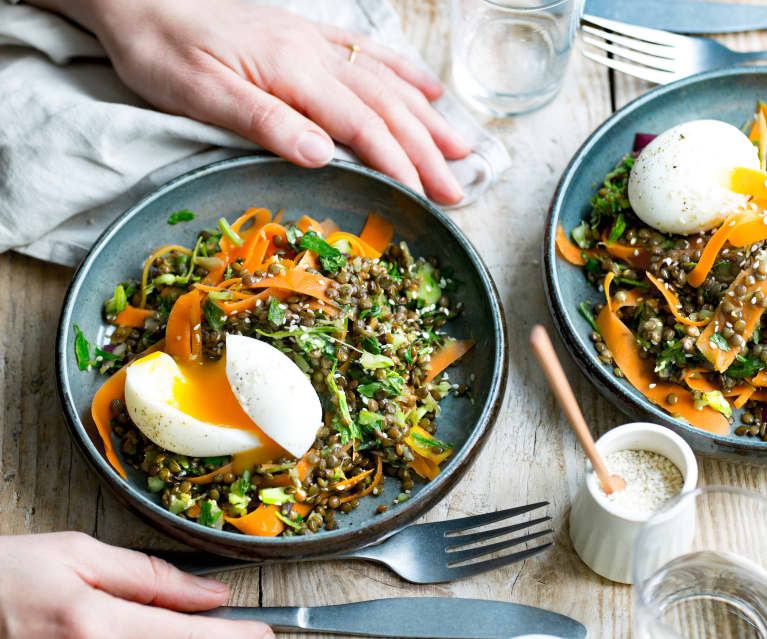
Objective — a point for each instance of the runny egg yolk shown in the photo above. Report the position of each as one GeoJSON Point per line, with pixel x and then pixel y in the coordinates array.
{"type": "Point", "coordinates": [205, 394]}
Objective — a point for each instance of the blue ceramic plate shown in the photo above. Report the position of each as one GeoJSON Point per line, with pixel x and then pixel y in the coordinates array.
{"type": "Point", "coordinates": [728, 94]}
{"type": "Point", "coordinates": [346, 193]}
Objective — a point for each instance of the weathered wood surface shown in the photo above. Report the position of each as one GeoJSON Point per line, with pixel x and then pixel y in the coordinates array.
{"type": "Point", "coordinates": [46, 486]}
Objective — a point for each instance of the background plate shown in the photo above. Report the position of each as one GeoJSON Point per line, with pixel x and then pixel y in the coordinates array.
{"type": "Point", "coordinates": [728, 94]}
{"type": "Point", "coordinates": [346, 192]}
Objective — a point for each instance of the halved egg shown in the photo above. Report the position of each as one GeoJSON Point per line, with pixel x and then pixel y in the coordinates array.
{"type": "Point", "coordinates": [253, 398]}
{"type": "Point", "coordinates": [681, 181]}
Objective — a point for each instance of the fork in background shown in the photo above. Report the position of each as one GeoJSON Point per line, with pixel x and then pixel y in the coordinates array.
{"type": "Point", "coordinates": [421, 553]}
{"type": "Point", "coordinates": [660, 56]}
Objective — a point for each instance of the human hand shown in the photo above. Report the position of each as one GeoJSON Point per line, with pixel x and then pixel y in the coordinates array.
{"type": "Point", "coordinates": [281, 81]}
{"type": "Point", "coordinates": [70, 586]}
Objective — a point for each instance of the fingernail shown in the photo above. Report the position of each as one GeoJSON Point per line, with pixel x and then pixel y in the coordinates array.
{"type": "Point", "coordinates": [211, 584]}
{"type": "Point", "coordinates": [314, 148]}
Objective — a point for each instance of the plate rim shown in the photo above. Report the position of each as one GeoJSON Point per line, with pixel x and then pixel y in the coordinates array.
{"type": "Point", "coordinates": [607, 384]}
{"type": "Point", "coordinates": [245, 546]}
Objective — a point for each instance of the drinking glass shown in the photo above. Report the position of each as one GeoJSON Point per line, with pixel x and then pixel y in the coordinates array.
{"type": "Point", "coordinates": [700, 568]}
{"type": "Point", "coordinates": [510, 56]}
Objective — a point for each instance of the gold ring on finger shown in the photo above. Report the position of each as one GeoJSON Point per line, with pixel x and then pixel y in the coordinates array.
{"type": "Point", "coordinates": [353, 50]}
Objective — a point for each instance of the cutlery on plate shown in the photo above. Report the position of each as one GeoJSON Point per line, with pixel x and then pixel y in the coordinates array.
{"type": "Point", "coordinates": [683, 16]}
{"type": "Point", "coordinates": [421, 553]}
{"type": "Point", "coordinates": [422, 617]}
{"type": "Point", "coordinates": [655, 55]}
{"type": "Point", "coordinates": [552, 367]}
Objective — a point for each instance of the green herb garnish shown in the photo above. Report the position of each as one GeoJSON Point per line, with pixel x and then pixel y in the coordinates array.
{"type": "Point", "coordinates": [276, 313]}
{"type": "Point", "coordinates": [618, 228]}
{"type": "Point", "coordinates": [209, 515]}
{"type": "Point", "coordinates": [180, 216]}
{"type": "Point", "coordinates": [118, 301]}
{"type": "Point", "coordinates": [331, 258]}
{"type": "Point", "coordinates": [583, 309]}
{"type": "Point", "coordinates": [214, 314]}
{"type": "Point", "coordinates": [745, 367]}
{"type": "Point", "coordinates": [371, 345]}
{"type": "Point", "coordinates": [88, 354]}
{"type": "Point", "coordinates": [230, 234]}
{"type": "Point", "coordinates": [430, 441]}
{"type": "Point", "coordinates": [718, 340]}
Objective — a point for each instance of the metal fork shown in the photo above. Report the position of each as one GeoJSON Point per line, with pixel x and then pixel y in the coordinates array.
{"type": "Point", "coordinates": [421, 553]}
{"type": "Point", "coordinates": [661, 56]}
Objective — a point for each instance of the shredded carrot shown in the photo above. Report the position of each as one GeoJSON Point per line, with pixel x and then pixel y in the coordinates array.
{"type": "Point", "coordinates": [132, 316]}
{"type": "Point", "coordinates": [235, 307]}
{"type": "Point", "coordinates": [328, 226]}
{"type": "Point", "coordinates": [640, 373]}
{"type": "Point", "coordinates": [695, 379]}
{"type": "Point", "coordinates": [424, 450]}
{"type": "Point", "coordinates": [760, 379]}
{"type": "Point", "coordinates": [214, 276]}
{"type": "Point", "coordinates": [568, 250]}
{"type": "Point", "coordinates": [263, 521]}
{"type": "Point", "coordinates": [370, 487]}
{"type": "Point", "coordinates": [307, 259]}
{"type": "Point", "coordinates": [182, 334]}
{"type": "Point", "coordinates": [352, 481]}
{"type": "Point", "coordinates": [752, 314]}
{"type": "Point", "coordinates": [157, 253]}
{"type": "Point", "coordinates": [113, 388]}
{"type": "Point", "coordinates": [263, 216]}
{"type": "Point", "coordinates": [357, 246]}
{"type": "Point", "coordinates": [450, 352]}
{"type": "Point", "coordinates": [377, 232]}
{"type": "Point", "coordinates": [697, 276]}
{"type": "Point", "coordinates": [206, 479]}
{"type": "Point", "coordinates": [673, 301]}
{"type": "Point", "coordinates": [424, 467]}
{"type": "Point", "coordinates": [221, 289]}
{"type": "Point", "coordinates": [303, 468]}
{"type": "Point", "coordinates": [306, 223]}
{"type": "Point", "coordinates": [744, 396]}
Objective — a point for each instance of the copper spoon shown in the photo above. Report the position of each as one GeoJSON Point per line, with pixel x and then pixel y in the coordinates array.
{"type": "Point", "coordinates": [544, 351]}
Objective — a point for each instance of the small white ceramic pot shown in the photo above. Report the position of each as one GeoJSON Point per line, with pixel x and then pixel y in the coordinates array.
{"type": "Point", "coordinates": [603, 534]}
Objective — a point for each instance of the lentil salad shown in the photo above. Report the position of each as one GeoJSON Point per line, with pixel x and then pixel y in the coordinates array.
{"type": "Point", "coordinates": [371, 340]}
{"type": "Point", "coordinates": [683, 317]}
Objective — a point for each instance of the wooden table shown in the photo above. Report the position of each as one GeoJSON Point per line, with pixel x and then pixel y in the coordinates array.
{"type": "Point", "coordinates": [46, 485]}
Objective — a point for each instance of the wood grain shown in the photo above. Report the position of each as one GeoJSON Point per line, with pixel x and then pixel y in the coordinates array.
{"type": "Point", "coordinates": [534, 456]}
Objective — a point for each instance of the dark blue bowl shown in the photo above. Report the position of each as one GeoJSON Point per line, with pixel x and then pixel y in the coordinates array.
{"type": "Point", "coordinates": [728, 94]}
{"type": "Point", "coordinates": [346, 192]}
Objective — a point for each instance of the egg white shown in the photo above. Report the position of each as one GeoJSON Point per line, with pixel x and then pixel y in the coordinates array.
{"type": "Point", "coordinates": [274, 393]}
{"type": "Point", "coordinates": [680, 181]}
{"type": "Point", "coordinates": [149, 398]}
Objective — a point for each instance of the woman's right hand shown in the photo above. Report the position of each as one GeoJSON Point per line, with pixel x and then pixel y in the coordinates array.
{"type": "Point", "coordinates": [281, 81]}
{"type": "Point", "coordinates": [70, 586]}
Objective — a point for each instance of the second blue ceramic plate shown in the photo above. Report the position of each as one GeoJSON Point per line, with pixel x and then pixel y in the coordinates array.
{"type": "Point", "coordinates": [728, 94]}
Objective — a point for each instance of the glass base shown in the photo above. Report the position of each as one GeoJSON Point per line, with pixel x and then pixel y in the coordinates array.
{"type": "Point", "coordinates": [505, 106]}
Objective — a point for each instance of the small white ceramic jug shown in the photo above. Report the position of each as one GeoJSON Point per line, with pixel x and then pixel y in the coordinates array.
{"type": "Point", "coordinates": [603, 534]}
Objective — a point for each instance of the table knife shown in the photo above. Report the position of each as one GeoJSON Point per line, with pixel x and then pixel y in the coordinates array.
{"type": "Point", "coordinates": [422, 617]}
{"type": "Point", "coordinates": [682, 16]}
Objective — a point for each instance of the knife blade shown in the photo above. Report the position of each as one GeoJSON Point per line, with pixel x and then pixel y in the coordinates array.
{"type": "Point", "coordinates": [422, 617]}
{"type": "Point", "coordinates": [682, 16]}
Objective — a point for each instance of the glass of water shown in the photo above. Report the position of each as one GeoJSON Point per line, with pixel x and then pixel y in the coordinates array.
{"type": "Point", "coordinates": [700, 568]}
{"type": "Point", "coordinates": [510, 56]}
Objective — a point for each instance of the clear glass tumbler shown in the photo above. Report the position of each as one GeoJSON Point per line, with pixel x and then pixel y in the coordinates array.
{"type": "Point", "coordinates": [700, 568]}
{"type": "Point", "coordinates": [509, 56]}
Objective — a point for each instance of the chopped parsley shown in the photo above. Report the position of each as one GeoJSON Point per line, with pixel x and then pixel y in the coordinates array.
{"type": "Point", "coordinates": [180, 216]}
{"type": "Point", "coordinates": [718, 340]}
{"type": "Point", "coordinates": [331, 258]}
{"type": "Point", "coordinates": [276, 313]}
{"type": "Point", "coordinates": [88, 354]}
{"type": "Point", "coordinates": [214, 314]}
{"type": "Point", "coordinates": [430, 441]}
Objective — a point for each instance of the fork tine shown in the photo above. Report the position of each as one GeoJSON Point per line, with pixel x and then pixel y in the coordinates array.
{"type": "Point", "coordinates": [645, 73]}
{"type": "Point", "coordinates": [465, 540]}
{"type": "Point", "coordinates": [661, 64]}
{"type": "Point", "coordinates": [655, 36]}
{"type": "Point", "coordinates": [469, 570]}
{"type": "Point", "coordinates": [475, 553]}
{"type": "Point", "coordinates": [660, 50]}
{"type": "Point", "coordinates": [475, 521]}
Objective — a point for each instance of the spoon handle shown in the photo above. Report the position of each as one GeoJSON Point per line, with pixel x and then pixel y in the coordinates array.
{"type": "Point", "coordinates": [544, 351]}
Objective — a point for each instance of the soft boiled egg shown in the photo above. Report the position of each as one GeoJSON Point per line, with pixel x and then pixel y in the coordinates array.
{"type": "Point", "coordinates": [680, 183]}
{"type": "Point", "coordinates": [254, 397]}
